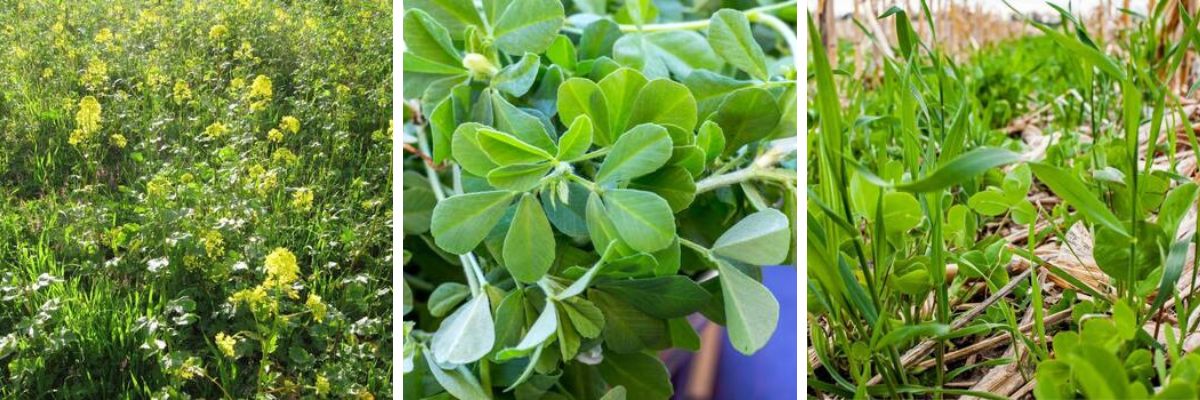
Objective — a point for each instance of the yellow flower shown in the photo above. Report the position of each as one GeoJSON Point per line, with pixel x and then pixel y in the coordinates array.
{"type": "Point", "coordinates": [318, 308]}
{"type": "Point", "coordinates": [104, 36]}
{"type": "Point", "coordinates": [244, 52]}
{"type": "Point", "coordinates": [217, 32]}
{"type": "Point", "coordinates": [251, 297]}
{"type": "Point", "coordinates": [47, 73]}
{"type": "Point", "coordinates": [322, 385]}
{"type": "Point", "coordinates": [87, 120]}
{"type": "Point", "coordinates": [214, 243]}
{"type": "Point", "coordinates": [261, 88]}
{"type": "Point", "coordinates": [302, 199]}
{"type": "Point", "coordinates": [284, 156]}
{"type": "Point", "coordinates": [237, 83]}
{"type": "Point", "coordinates": [290, 123]}
{"type": "Point", "coordinates": [282, 269]}
{"type": "Point", "coordinates": [226, 344]}
{"type": "Point", "coordinates": [158, 187]}
{"type": "Point", "coordinates": [266, 182]}
{"type": "Point", "coordinates": [275, 135]}
{"type": "Point", "coordinates": [96, 73]}
{"type": "Point", "coordinates": [183, 92]}
{"type": "Point", "coordinates": [215, 130]}
{"type": "Point", "coordinates": [118, 140]}
{"type": "Point", "coordinates": [364, 394]}
{"type": "Point", "coordinates": [343, 90]}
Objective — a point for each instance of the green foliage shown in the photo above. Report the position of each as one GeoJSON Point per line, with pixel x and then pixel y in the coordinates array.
{"type": "Point", "coordinates": [584, 194]}
{"type": "Point", "coordinates": [196, 197]}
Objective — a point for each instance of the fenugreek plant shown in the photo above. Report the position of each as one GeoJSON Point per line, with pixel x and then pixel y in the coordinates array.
{"type": "Point", "coordinates": [576, 187]}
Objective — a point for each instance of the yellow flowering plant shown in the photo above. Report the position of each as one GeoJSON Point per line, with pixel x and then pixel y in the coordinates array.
{"type": "Point", "coordinates": [141, 181]}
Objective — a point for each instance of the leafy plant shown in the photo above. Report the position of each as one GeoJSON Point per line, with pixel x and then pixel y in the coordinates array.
{"type": "Point", "coordinates": [596, 179]}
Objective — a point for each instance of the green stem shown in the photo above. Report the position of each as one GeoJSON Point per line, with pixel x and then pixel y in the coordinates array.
{"type": "Point", "coordinates": [703, 24]}
{"type": "Point", "coordinates": [743, 175]}
{"type": "Point", "coordinates": [469, 264]}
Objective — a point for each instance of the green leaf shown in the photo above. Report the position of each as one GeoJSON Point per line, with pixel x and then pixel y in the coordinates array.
{"type": "Point", "coordinates": [600, 227]}
{"type": "Point", "coordinates": [908, 333]}
{"type": "Point", "coordinates": [461, 222]}
{"type": "Point", "coordinates": [510, 320]}
{"type": "Point", "coordinates": [598, 39]}
{"type": "Point", "coordinates": [639, 373]}
{"type": "Point", "coordinates": [665, 53]}
{"type": "Point", "coordinates": [711, 139]}
{"type": "Point", "coordinates": [445, 297]}
{"type": "Point", "coordinates": [1112, 252]}
{"type": "Point", "coordinates": [418, 209]}
{"type": "Point", "coordinates": [568, 216]}
{"type": "Point", "coordinates": [683, 336]}
{"type": "Point", "coordinates": [1075, 194]}
{"type": "Point", "coordinates": [584, 316]}
{"type": "Point", "coordinates": [989, 203]}
{"type": "Point", "coordinates": [620, 88]}
{"type": "Point", "coordinates": [458, 381]}
{"type": "Point", "coordinates": [638, 152]}
{"type": "Point", "coordinates": [690, 158]}
{"type": "Point", "coordinates": [441, 125]}
{"type": "Point", "coordinates": [762, 238]}
{"type": "Point", "coordinates": [520, 124]}
{"type": "Point", "coordinates": [664, 102]}
{"type": "Point", "coordinates": [518, 177]}
{"type": "Point", "coordinates": [672, 183]}
{"type": "Point", "coordinates": [562, 53]}
{"type": "Point", "coordinates": [426, 39]}
{"type": "Point", "coordinates": [466, 151]}
{"type": "Point", "coordinates": [1172, 269]}
{"type": "Point", "coordinates": [582, 97]}
{"type": "Point", "coordinates": [577, 140]}
{"type": "Point", "coordinates": [637, 12]}
{"type": "Point", "coordinates": [751, 312]}
{"type": "Point", "coordinates": [745, 116]}
{"type": "Point", "coordinates": [517, 79]}
{"type": "Point", "coordinates": [504, 149]}
{"type": "Point", "coordinates": [568, 337]}
{"type": "Point", "coordinates": [616, 393]}
{"type": "Point", "coordinates": [455, 15]}
{"type": "Point", "coordinates": [1054, 381]}
{"type": "Point", "coordinates": [529, 237]}
{"type": "Point", "coordinates": [729, 34]}
{"type": "Point", "coordinates": [528, 26]}
{"type": "Point", "coordinates": [643, 219]}
{"type": "Point", "coordinates": [467, 335]}
{"type": "Point", "coordinates": [626, 329]}
{"type": "Point", "coordinates": [662, 297]}
{"type": "Point", "coordinates": [901, 212]}
{"type": "Point", "coordinates": [1176, 205]}
{"type": "Point", "coordinates": [965, 166]}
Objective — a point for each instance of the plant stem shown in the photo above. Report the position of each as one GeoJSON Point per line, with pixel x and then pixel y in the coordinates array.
{"type": "Point", "coordinates": [745, 174]}
{"type": "Point", "coordinates": [470, 266]}
{"type": "Point", "coordinates": [702, 24]}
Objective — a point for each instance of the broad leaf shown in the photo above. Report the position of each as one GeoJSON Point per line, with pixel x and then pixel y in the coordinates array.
{"type": "Point", "coordinates": [746, 115]}
{"type": "Point", "coordinates": [762, 238]}
{"type": "Point", "coordinates": [643, 219]}
{"type": "Point", "coordinates": [666, 53]}
{"type": "Point", "coordinates": [663, 297]}
{"type": "Point", "coordinates": [639, 373]}
{"type": "Point", "coordinates": [445, 297]}
{"type": "Point", "coordinates": [504, 149]}
{"type": "Point", "coordinates": [455, 15]}
{"type": "Point", "coordinates": [638, 152]}
{"type": "Point", "coordinates": [467, 335]}
{"type": "Point", "coordinates": [729, 34]}
{"type": "Point", "coordinates": [528, 26]}
{"type": "Point", "coordinates": [516, 79]}
{"type": "Point", "coordinates": [664, 102]}
{"type": "Point", "coordinates": [577, 140]}
{"type": "Point", "coordinates": [529, 237]}
{"type": "Point", "coordinates": [518, 177]}
{"type": "Point", "coordinates": [458, 381]}
{"type": "Point", "coordinates": [466, 150]}
{"type": "Point", "coordinates": [461, 222]}
{"type": "Point", "coordinates": [751, 311]}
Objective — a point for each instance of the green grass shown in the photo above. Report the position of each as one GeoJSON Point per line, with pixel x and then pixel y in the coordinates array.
{"type": "Point", "coordinates": [118, 254]}
{"type": "Point", "coordinates": [900, 188]}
